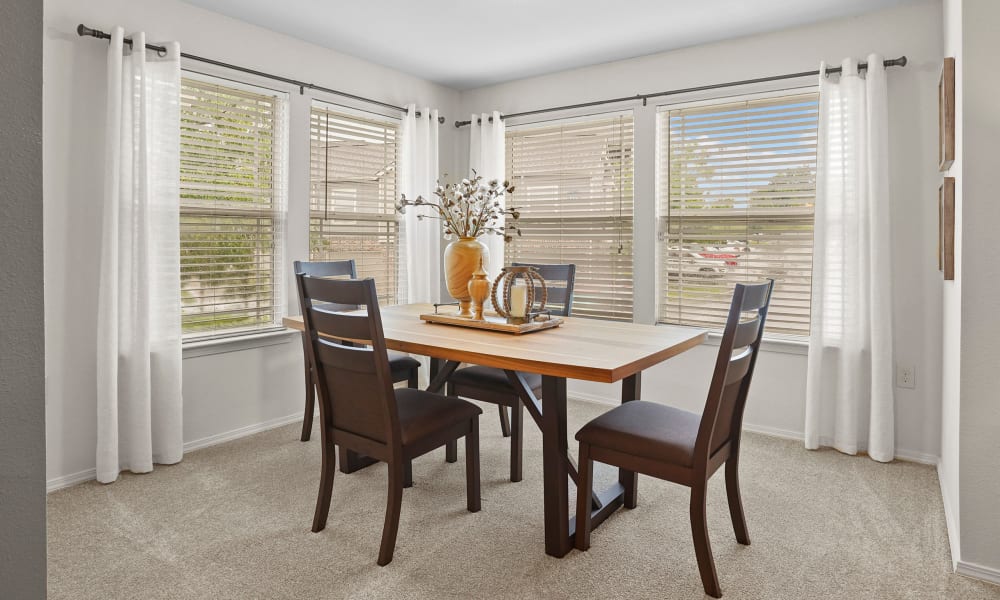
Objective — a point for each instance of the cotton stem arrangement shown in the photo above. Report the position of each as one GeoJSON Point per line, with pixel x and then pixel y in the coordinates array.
{"type": "Point", "coordinates": [470, 208]}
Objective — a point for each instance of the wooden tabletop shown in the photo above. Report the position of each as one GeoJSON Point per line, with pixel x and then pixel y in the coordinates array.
{"type": "Point", "coordinates": [587, 349]}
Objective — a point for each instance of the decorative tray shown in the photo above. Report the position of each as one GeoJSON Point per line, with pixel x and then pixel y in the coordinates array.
{"type": "Point", "coordinates": [494, 322]}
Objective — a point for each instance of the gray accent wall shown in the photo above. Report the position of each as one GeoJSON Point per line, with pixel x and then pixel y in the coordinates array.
{"type": "Point", "coordinates": [22, 332]}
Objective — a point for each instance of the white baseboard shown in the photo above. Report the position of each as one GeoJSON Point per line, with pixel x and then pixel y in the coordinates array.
{"type": "Point", "coordinates": [901, 454]}
{"type": "Point", "coordinates": [594, 398]}
{"type": "Point", "coordinates": [65, 481]}
{"type": "Point", "coordinates": [235, 434]}
{"type": "Point", "coordinates": [978, 572]}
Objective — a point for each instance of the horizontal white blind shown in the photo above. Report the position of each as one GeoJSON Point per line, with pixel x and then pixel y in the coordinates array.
{"type": "Point", "coordinates": [353, 195]}
{"type": "Point", "coordinates": [737, 186]}
{"type": "Point", "coordinates": [232, 207]}
{"type": "Point", "coordinates": [573, 185]}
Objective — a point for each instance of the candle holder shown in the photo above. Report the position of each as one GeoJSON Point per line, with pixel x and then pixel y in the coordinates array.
{"type": "Point", "coordinates": [504, 284]}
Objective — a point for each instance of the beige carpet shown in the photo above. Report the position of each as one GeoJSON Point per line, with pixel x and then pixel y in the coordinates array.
{"type": "Point", "coordinates": [233, 521]}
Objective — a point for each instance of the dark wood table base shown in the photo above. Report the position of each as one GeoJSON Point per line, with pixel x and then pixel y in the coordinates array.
{"type": "Point", "coordinates": [558, 466]}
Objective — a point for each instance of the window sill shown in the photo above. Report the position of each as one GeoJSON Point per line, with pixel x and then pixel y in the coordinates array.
{"type": "Point", "coordinates": [238, 343]}
{"type": "Point", "coordinates": [789, 345]}
{"type": "Point", "coordinates": [784, 345]}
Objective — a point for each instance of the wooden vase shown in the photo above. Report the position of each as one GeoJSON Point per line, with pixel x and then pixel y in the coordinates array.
{"type": "Point", "coordinates": [461, 258]}
{"type": "Point", "coordinates": [479, 290]}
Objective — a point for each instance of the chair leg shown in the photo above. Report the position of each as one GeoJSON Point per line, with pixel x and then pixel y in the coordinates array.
{"type": "Point", "coordinates": [735, 502]}
{"type": "Point", "coordinates": [307, 418]}
{"type": "Point", "coordinates": [393, 503]}
{"type": "Point", "coordinates": [585, 478]}
{"type": "Point", "coordinates": [325, 488]}
{"type": "Point", "coordinates": [413, 381]}
{"type": "Point", "coordinates": [472, 489]}
{"type": "Point", "coordinates": [407, 473]}
{"type": "Point", "coordinates": [451, 448]}
{"type": "Point", "coordinates": [504, 421]}
{"type": "Point", "coordinates": [630, 481]}
{"type": "Point", "coordinates": [516, 440]}
{"type": "Point", "coordinates": [702, 545]}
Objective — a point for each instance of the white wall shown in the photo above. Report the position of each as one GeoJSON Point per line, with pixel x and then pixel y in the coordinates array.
{"type": "Point", "coordinates": [779, 386]}
{"type": "Point", "coordinates": [223, 392]}
{"type": "Point", "coordinates": [979, 442]}
{"type": "Point", "coordinates": [951, 343]}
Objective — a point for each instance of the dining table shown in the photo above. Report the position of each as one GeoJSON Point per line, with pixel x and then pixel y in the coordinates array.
{"type": "Point", "coordinates": [580, 348]}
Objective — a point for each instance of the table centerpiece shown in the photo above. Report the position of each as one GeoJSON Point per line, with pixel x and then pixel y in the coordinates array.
{"type": "Point", "coordinates": [468, 210]}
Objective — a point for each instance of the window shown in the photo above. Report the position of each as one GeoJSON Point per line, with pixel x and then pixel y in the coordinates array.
{"type": "Point", "coordinates": [737, 185]}
{"type": "Point", "coordinates": [352, 200]}
{"type": "Point", "coordinates": [573, 183]}
{"type": "Point", "coordinates": [232, 183]}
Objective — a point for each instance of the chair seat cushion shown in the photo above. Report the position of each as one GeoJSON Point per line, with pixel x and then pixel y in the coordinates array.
{"type": "Point", "coordinates": [646, 429]}
{"type": "Point", "coordinates": [402, 362]}
{"type": "Point", "coordinates": [489, 377]}
{"type": "Point", "coordinates": [423, 413]}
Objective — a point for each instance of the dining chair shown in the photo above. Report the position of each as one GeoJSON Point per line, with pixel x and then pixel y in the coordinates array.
{"type": "Point", "coordinates": [403, 367]}
{"type": "Point", "coordinates": [360, 409]}
{"type": "Point", "coordinates": [679, 446]}
{"type": "Point", "coordinates": [487, 384]}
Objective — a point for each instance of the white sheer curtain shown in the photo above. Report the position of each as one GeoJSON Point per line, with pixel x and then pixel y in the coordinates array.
{"type": "Point", "coordinates": [487, 156]}
{"type": "Point", "coordinates": [138, 320]}
{"type": "Point", "coordinates": [849, 386]}
{"type": "Point", "coordinates": [418, 174]}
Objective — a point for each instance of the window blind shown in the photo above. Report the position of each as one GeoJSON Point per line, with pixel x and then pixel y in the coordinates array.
{"type": "Point", "coordinates": [353, 195]}
{"type": "Point", "coordinates": [573, 184]}
{"type": "Point", "coordinates": [737, 186]}
{"type": "Point", "coordinates": [232, 188]}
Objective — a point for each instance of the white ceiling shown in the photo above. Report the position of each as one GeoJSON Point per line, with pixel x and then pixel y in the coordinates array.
{"type": "Point", "coordinates": [471, 43]}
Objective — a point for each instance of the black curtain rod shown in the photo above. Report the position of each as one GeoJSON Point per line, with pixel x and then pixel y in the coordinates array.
{"type": "Point", "coordinates": [894, 62]}
{"type": "Point", "coordinates": [82, 30]}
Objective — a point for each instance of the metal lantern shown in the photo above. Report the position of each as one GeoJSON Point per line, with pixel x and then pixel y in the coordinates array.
{"type": "Point", "coordinates": [505, 283]}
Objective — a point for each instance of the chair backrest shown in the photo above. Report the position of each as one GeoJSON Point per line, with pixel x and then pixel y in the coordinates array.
{"type": "Point", "coordinates": [349, 355]}
{"type": "Point", "coordinates": [722, 418]}
{"type": "Point", "coordinates": [343, 269]}
{"type": "Point", "coordinates": [559, 281]}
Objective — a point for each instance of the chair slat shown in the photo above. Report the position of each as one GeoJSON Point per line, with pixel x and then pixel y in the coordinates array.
{"type": "Point", "coordinates": [555, 295]}
{"type": "Point", "coordinates": [559, 283]}
{"type": "Point", "coordinates": [739, 365]}
{"type": "Point", "coordinates": [746, 333]}
{"type": "Point", "coordinates": [755, 296]}
{"type": "Point", "coordinates": [358, 359]}
{"type": "Point", "coordinates": [341, 326]}
{"type": "Point", "coordinates": [336, 268]}
{"type": "Point", "coordinates": [343, 291]}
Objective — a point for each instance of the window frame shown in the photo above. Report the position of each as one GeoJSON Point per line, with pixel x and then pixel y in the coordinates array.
{"type": "Point", "coordinates": [279, 213]}
{"type": "Point", "coordinates": [577, 117]}
{"type": "Point", "coordinates": [391, 216]}
{"type": "Point", "coordinates": [794, 341]}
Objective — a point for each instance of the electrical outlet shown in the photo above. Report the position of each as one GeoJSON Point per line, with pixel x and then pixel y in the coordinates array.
{"type": "Point", "coordinates": [905, 377]}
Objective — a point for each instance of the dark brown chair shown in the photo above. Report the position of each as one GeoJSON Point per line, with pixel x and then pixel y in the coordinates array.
{"type": "Point", "coordinates": [358, 407]}
{"type": "Point", "coordinates": [487, 384]}
{"type": "Point", "coordinates": [403, 367]}
{"type": "Point", "coordinates": [679, 446]}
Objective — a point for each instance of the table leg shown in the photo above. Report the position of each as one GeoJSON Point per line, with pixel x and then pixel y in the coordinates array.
{"type": "Point", "coordinates": [629, 479]}
{"type": "Point", "coordinates": [554, 461]}
{"type": "Point", "coordinates": [439, 375]}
